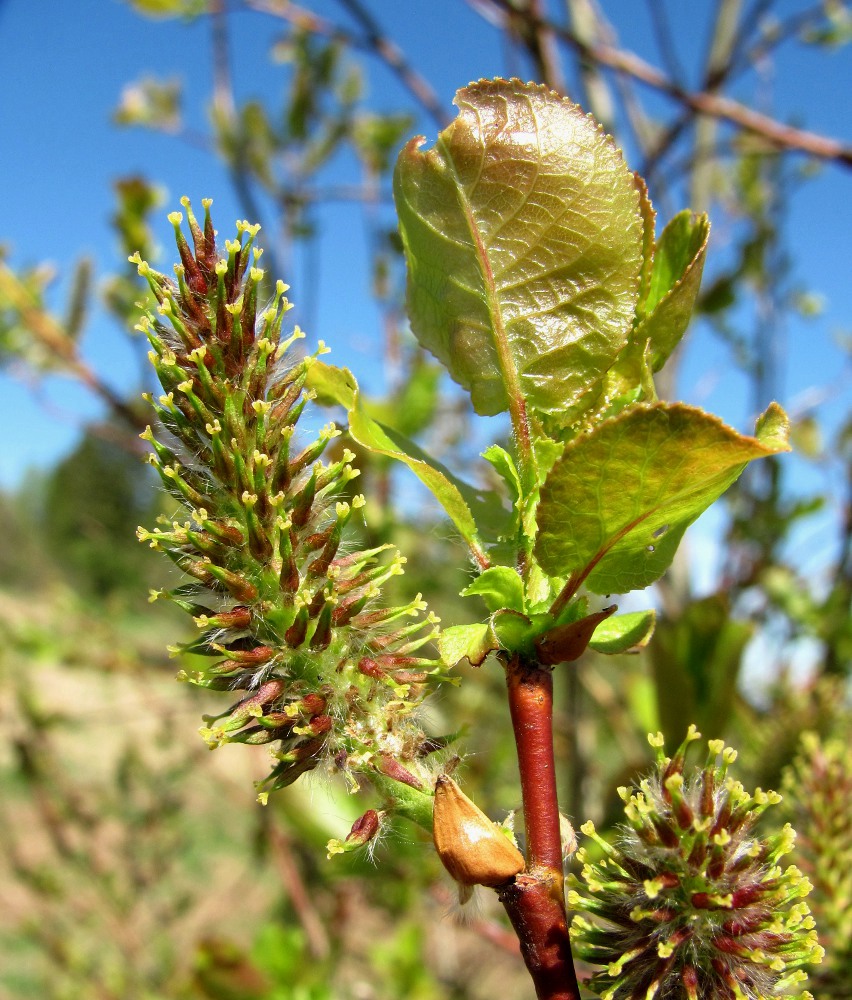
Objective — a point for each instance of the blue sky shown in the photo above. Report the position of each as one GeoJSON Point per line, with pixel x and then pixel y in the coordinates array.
{"type": "Point", "coordinates": [65, 64]}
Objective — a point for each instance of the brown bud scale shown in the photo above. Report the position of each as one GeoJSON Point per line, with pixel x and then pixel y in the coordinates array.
{"type": "Point", "coordinates": [473, 849]}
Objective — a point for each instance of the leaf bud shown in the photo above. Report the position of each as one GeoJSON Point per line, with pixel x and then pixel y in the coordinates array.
{"type": "Point", "coordinates": [472, 848]}
{"type": "Point", "coordinates": [568, 642]}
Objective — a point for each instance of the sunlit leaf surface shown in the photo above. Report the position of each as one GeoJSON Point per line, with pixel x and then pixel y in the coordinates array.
{"type": "Point", "coordinates": [615, 506]}
{"type": "Point", "coordinates": [523, 236]}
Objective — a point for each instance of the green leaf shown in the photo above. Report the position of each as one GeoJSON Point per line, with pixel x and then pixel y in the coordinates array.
{"type": "Point", "coordinates": [472, 511]}
{"type": "Point", "coordinates": [624, 633]}
{"type": "Point", "coordinates": [615, 506]}
{"type": "Point", "coordinates": [667, 299]}
{"type": "Point", "coordinates": [523, 237]}
{"type": "Point", "coordinates": [506, 468]}
{"type": "Point", "coordinates": [675, 280]}
{"type": "Point", "coordinates": [649, 218]}
{"type": "Point", "coordinates": [338, 386]}
{"type": "Point", "coordinates": [333, 386]}
{"type": "Point", "coordinates": [472, 642]}
{"type": "Point", "coordinates": [169, 8]}
{"type": "Point", "coordinates": [500, 587]}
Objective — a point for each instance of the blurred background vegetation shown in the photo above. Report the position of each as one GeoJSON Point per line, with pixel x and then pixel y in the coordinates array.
{"type": "Point", "coordinates": [136, 865]}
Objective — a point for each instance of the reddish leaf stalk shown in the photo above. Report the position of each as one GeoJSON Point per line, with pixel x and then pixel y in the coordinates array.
{"type": "Point", "coordinates": [535, 901]}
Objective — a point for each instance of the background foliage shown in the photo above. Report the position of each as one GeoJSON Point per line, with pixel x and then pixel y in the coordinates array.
{"type": "Point", "coordinates": [136, 865]}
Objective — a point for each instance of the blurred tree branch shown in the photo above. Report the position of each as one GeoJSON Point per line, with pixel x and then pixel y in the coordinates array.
{"type": "Point", "coordinates": [374, 41]}
{"type": "Point", "coordinates": [59, 343]}
{"type": "Point", "coordinates": [701, 102]}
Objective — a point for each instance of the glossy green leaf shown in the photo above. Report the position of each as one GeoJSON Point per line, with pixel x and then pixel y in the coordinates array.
{"type": "Point", "coordinates": [671, 280]}
{"type": "Point", "coordinates": [615, 506]}
{"type": "Point", "coordinates": [523, 237]}
{"type": "Point", "coordinates": [500, 587]}
{"type": "Point", "coordinates": [624, 633]}
{"type": "Point", "coordinates": [649, 219]}
{"type": "Point", "coordinates": [471, 642]}
{"type": "Point", "coordinates": [475, 513]}
{"type": "Point", "coordinates": [506, 468]}
{"type": "Point", "coordinates": [675, 280]}
{"type": "Point", "coordinates": [338, 386]}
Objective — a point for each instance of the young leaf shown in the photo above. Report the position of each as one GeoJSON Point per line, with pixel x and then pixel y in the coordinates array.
{"type": "Point", "coordinates": [506, 468]}
{"type": "Point", "coordinates": [474, 512]}
{"type": "Point", "coordinates": [500, 587]}
{"type": "Point", "coordinates": [471, 642]}
{"type": "Point", "coordinates": [338, 386]}
{"type": "Point", "coordinates": [675, 280]}
{"type": "Point", "coordinates": [666, 301]}
{"type": "Point", "coordinates": [615, 506]}
{"type": "Point", "coordinates": [523, 237]}
{"type": "Point", "coordinates": [649, 219]}
{"type": "Point", "coordinates": [624, 633]}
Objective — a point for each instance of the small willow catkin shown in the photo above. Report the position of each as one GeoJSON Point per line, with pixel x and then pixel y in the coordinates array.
{"type": "Point", "coordinates": [690, 901]}
{"type": "Point", "coordinates": [289, 607]}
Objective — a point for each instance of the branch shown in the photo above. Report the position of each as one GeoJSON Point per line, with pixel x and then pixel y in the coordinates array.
{"type": "Point", "coordinates": [531, 707]}
{"type": "Point", "coordinates": [56, 342]}
{"type": "Point", "coordinates": [291, 878]}
{"type": "Point", "coordinates": [375, 41]}
{"type": "Point", "coordinates": [587, 22]}
{"type": "Point", "coordinates": [742, 57]}
{"type": "Point", "coordinates": [535, 900]}
{"type": "Point", "coordinates": [716, 106]}
{"type": "Point", "coordinates": [540, 43]}
{"type": "Point", "coordinates": [723, 39]}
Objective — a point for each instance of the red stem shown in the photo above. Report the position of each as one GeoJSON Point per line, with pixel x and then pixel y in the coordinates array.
{"type": "Point", "coordinates": [535, 901]}
{"type": "Point", "coordinates": [531, 708]}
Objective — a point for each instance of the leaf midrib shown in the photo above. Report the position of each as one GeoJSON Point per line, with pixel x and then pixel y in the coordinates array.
{"type": "Point", "coordinates": [505, 359]}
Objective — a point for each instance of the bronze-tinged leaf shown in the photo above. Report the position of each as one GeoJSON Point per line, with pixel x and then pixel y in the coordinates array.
{"type": "Point", "coordinates": [523, 236]}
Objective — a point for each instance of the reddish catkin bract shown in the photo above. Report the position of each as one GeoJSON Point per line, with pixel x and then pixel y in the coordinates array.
{"type": "Point", "coordinates": [474, 850]}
